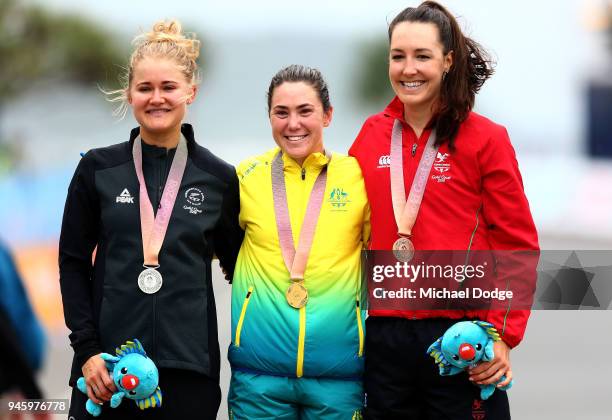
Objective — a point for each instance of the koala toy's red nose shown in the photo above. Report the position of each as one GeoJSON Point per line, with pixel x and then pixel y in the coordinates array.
{"type": "Point", "coordinates": [466, 351]}
{"type": "Point", "coordinates": [129, 382]}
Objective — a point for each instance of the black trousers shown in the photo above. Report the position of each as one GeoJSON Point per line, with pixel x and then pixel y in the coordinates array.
{"type": "Point", "coordinates": [402, 381]}
{"type": "Point", "coordinates": [185, 395]}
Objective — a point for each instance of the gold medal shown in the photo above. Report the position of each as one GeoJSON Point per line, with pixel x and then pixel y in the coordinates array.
{"type": "Point", "coordinates": [296, 258]}
{"type": "Point", "coordinates": [403, 249]}
{"type": "Point", "coordinates": [296, 295]}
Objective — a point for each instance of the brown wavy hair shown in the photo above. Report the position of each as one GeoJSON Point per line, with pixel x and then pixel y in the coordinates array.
{"type": "Point", "coordinates": [472, 66]}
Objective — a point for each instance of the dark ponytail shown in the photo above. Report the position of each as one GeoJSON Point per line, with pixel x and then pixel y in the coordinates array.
{"type": "Point", "coordinates": [471, 67]}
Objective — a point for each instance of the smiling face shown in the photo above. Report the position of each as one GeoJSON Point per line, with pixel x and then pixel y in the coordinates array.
{"type": "Point", "coordinates": [136, 376]}
{"type": "Point", "coordinates": [159, 93]}
{"type": "Point", "coordinates": [297, 119]}
{"type": "Point", "coordinates": [416, 65]}
{"type": "Point", "coordinates": [463, 344]}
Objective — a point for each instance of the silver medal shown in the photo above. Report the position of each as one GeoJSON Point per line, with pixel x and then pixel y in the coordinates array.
{"type": "Point", "coordinates": [150, 281]}
{"type": "Point", "coordinates": [403, 249]}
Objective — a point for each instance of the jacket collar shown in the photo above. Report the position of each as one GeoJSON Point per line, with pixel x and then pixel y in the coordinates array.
{"type": "Point", "coordinates": [186, 130]}
{"type": "Point", "coordinates": [395, 109]}
{"type": "Point", "coordinates": [314, 161]}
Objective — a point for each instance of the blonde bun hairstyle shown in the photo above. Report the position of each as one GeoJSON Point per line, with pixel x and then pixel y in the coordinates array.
{"type": "Point", "coordinates": [166, 40]}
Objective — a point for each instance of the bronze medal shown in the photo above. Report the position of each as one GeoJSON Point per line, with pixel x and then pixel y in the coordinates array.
{"type": "Point", "coordinates": [297, 295]}
{"type": "Point", "coordinates": [406, 211]}
{"type": "Point", "coordinates": [403, 249]}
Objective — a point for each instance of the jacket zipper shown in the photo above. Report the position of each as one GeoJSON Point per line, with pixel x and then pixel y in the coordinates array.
{"type": "Point", "coordinates": [155, 325]}
{"type": "Point", "coordinates": [299, 371]}
{"type": "Point", "coordinates": [469, 248]}
{"type": "Point", "coordinates": [467, 257]}
{"type": "Point", "coordinates": [158, 171]}
{"type": "Point", "coordinates": [242, 314]}
{"type": "Point", "coordinates": [158, 193]}
{"type": "Point", "coordinates": [415, 146]}
{"type": "Point", "coordinates": [475, 229]}
{"type": "Point", "coordinates": [359, 327]}
{"type": "Point", "coordinates": [299, 368]}
{"type": "Point", "coordinates": [163, 166]}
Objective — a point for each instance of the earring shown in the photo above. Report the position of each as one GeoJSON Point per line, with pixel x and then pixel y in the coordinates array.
{"type": "Point", "coordinates": [444, 73]}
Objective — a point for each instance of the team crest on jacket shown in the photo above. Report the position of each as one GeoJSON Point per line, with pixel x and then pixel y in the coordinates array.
{"type": "Point", "coordinates": [194, 198]}
{"type": "Point", "coordinates": [441, 167]}
{"type": "Point", "coordinates": [339, 199]}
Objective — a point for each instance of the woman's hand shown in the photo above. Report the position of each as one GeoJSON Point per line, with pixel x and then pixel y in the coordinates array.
{"type": "Point", "coordinates": [490, 372]}
{"type": "Point", "coordinates": [100, 386]}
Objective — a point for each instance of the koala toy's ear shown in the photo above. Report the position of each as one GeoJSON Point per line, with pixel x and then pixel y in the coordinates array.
{"type": "Point", "coordinates": [109, 360]}
{"type": "Point", "coordinates": [435, 351]}
{"type": "Point", "coordinates": [488, 354]}
{"type": "Point", "coordinates": [489, 329]}
{"type": "Point", "coordinates": [109, 357]}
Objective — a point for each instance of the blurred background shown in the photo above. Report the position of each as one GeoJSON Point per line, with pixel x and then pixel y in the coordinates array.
{"type": "Point", "coordinates": [552, 89]}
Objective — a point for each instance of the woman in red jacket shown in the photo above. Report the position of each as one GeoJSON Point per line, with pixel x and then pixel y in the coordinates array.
{"type": "Point", "coordinates": [473, 200]}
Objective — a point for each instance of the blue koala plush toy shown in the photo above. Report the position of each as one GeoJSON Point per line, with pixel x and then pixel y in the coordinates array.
{"type": "Point", "coordinates": [135, 376]}
{"type": "Point", "coordinates": [464, 345]}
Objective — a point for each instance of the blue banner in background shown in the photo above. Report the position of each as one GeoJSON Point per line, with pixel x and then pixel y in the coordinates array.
{"type": "Point", "coordinates": [32, 206]}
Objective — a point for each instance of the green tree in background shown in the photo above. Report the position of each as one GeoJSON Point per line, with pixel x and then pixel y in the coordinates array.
{"type": "Point", "coordinates": [38, 45]}
{"type": "Point", "coordinates": [373, 74]}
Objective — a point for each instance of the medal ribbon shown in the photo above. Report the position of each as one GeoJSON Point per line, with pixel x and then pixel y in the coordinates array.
{"type": "Point", "coordinates": [405, 212]}
{"type": "Point", "coordinates": [153, 227]}
{"type": "Point", "coordinates": [296, 260]}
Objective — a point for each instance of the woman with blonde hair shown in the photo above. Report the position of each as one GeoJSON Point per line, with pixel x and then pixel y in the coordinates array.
{"type": "Point", "coordinates": [155, 208]}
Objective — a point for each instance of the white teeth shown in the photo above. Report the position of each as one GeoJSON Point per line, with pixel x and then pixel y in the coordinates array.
{"type": "Point", "coordinates": [412, 84]}
{"type": "Point", "coordinates": [295, 138]}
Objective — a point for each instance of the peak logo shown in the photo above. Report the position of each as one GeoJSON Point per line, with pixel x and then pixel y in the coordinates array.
{"type": "Point", "coordinates": [384, 161]}
{"type": "Point", "coordinates": [125, 197]}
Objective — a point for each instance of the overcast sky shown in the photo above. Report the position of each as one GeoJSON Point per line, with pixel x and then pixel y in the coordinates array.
{"type": "Point", "coordinates": [546, 50]}
{"type": "Point", "coordinates": [348, 16]}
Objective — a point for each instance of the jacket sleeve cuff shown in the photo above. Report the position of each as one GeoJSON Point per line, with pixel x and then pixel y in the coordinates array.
{"type": "Point", "coordinates": [510, 340]}
{"type": "Point", "coordinates": [510, 326]}
{"type": "Point", "coordinates": [85, 351]}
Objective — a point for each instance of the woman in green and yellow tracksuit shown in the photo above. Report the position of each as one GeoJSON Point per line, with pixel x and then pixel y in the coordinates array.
{"type": "Point", "coordinates": [299, 358]}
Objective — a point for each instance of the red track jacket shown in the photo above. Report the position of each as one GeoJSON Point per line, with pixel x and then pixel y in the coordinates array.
{"type": "Point", "coordinates": [474, 200]}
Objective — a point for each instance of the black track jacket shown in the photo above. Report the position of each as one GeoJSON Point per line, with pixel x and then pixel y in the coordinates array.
{"type": "Point", "coordinates": [103, 306]}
